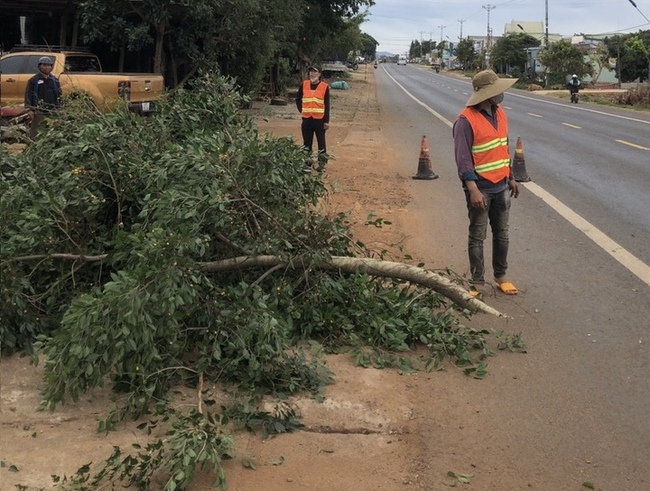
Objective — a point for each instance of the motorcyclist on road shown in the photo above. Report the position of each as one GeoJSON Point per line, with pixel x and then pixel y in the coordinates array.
{"type": "Point", "coordinates": [574, 84]}
{"type": "Point", "coordinates": [574, 88]}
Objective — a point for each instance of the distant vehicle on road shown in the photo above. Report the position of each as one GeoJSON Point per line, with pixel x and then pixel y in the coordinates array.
{"type": "Point", "coordinates": [401, 60]}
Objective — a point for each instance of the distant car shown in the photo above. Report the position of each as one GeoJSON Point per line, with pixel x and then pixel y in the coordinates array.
{"type": "Point", "coordinates": [401, 61]}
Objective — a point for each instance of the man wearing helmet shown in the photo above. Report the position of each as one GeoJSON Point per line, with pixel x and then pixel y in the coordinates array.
{"type": "Point", "coordinates": [43, 93]}
{"type": "Point", "coordinates": [574, 88]}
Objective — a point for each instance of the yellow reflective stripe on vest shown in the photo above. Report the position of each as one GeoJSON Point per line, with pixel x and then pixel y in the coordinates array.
{"type": "Point", "coordinates": [491, 145]}
{"type": "Point", "coordinates": [489, 166]}
{"type": "Point", "coordinates": [313, 101]}
{"type": "Point", "coordinates": [490, 153]}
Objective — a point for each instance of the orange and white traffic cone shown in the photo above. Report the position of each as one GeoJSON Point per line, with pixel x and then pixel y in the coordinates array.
{"type": "Point", "coordinates": [424, 162]}
{"type": "Point", "coordinates": [519, 163]}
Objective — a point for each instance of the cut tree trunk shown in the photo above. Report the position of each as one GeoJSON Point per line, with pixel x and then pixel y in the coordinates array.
{"type": "Point", "coordinates": [374, 267]}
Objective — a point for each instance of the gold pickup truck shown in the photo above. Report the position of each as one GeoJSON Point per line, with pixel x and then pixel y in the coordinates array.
{"type": "Point", "coordinates": [80, 71]}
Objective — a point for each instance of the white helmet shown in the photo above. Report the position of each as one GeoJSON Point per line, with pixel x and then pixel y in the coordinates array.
{"type": "Point", "coordinates": [574, 76]}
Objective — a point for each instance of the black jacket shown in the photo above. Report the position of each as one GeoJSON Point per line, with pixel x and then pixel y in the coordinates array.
{"type": "Point", "coordinates": [43, 93]}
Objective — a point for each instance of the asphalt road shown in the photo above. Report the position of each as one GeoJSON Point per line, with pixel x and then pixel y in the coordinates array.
{"type": "Point", "coordinates": [576, 407]}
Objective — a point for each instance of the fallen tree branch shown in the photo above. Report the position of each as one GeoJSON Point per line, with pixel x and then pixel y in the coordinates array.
{"type": "Point", "coordinates": [69, 257]}
{"type": "Point", "coordinates": [349, 265]}
{"type": "Point", "coordinates": [339, 430]}
{"type": "Point", "coordinates": [374, 267]}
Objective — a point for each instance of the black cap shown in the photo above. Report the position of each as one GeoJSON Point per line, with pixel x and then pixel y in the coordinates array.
{"type": "Point", "coordinates": [313, 66]}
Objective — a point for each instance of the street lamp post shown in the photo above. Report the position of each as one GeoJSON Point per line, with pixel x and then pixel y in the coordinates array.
{"type": "Point", "coordinates": [532, 62]}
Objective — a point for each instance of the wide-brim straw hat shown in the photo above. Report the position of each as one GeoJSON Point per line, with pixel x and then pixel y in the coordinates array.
{"type": "Point", "coordinates": [486, 85]}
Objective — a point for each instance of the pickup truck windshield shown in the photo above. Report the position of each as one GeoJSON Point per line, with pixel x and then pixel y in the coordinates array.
{"type": "Point", "coordinates": [82, 63]}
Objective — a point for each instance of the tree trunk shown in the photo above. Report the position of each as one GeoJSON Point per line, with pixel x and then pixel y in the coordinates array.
{"type": "Point", "coordinates": [349, 265]}
{"type": "Point", "coordinates": [157, 59]}
{"type": "Point", "coordinates": [369, 266]}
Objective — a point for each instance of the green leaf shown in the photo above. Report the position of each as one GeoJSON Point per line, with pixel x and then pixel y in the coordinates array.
{"type": "Point", "coordinates": [249, 464]}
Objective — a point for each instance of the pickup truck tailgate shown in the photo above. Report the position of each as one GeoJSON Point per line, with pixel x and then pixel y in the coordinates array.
{"type": "Point", "coordinates": [145, 88]}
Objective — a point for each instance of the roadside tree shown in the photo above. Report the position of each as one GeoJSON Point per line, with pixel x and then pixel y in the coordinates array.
{"type": "Point", "coordinates": [509, 52]}
{"type": "Point", "coordinates": [632, 52]}
{"type": "Point", "coordinates": [466, 54]}
{"type": "Point", "coordinates": [562, 59]}
{"type": "Point", "coordinates": [368, 46]}
{"type": "Point", "coordinates": [242, 38]}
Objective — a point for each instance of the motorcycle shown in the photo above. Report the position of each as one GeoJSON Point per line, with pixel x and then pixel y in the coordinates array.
{"type": "Point", "coordinates": [352, 64]}
{"type": "Point", "coordinates": [574, 96]}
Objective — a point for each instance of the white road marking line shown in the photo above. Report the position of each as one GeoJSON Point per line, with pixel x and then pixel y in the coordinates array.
{"type": "Point", "coordinates": [634, 145]}
{"type": "Point", "coordinates": [541, 99]}
{"type": "Point", "coordinates": [572, 126]}
{"type": "Point", "coordinates": [611, 247]}
{"type": "Point", "coordinates": [625, 258]}
{"type": "Point", "coordinates": [576, 108]}
{"type": "Point", "coordinates": [535, 115]}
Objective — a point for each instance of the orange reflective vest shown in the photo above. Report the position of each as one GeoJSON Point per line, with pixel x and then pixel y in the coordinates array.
{"type": "Point", "coordinates": [490, 148]}
{"type": "Point", "coordinates": [313, 101]}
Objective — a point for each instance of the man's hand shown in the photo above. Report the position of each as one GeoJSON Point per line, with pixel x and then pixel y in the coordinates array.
{"type": "Point", "coordinates": [326, 126]}
{"type": "Point", "coordinates": [514, 188]}
{"type": "Point", "coordinates": [476, 198]}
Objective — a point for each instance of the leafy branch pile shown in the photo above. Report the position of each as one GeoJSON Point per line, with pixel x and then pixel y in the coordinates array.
{"type": "Point", "coordinates": [107, 221]}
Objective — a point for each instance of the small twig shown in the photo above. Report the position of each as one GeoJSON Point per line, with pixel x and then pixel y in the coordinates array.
{"type": "Point", "coordinates": [200, 394]}
{"type": "Point", "coordinates": [72, 257]}
{"type": "Point", "coordinates": [267, 273]}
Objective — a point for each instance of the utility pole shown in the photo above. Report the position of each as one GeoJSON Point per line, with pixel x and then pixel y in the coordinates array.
{"type": "Point", "coordinates": [546, 26]}
{"type": "Point", "coordinates": [488, 7]}
{"type": "Point", "coordinates": [461, 28]}
{"type": "Point", "coordinates": [421, 33]}
{"type": "Point", "coordinates": [441, 46]}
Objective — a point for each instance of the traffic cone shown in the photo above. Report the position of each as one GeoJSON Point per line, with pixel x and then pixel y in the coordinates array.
{"type": "Point", "coordinates": [519, 163]}
{"type": "Point", "coordinates": [424, 163]}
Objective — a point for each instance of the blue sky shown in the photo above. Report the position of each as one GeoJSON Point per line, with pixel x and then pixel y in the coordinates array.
{"type": "Point", "coordinates": [395, 23]}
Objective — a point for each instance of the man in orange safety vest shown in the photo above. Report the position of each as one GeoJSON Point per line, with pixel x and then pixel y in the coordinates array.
{"type": "Point", "coordinates": [483, 160]}
{"type": "Point", "coordinates": [313, 103]}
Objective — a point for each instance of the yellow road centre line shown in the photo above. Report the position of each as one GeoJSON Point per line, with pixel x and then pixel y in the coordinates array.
{"type": "Point", "coordinates": [572, 126]}
{"type": "Point", "coordinates": [634, 145]}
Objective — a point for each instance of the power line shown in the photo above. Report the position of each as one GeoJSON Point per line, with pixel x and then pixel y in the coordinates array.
{"type": "Point", "coordinates": [634, 4]}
